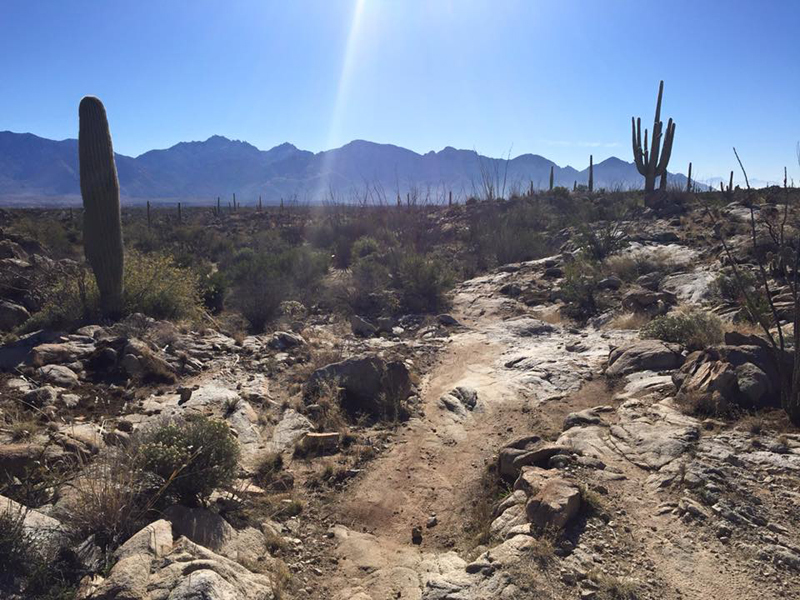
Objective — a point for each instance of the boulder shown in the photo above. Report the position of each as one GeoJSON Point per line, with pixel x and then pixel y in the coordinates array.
{"type": "Point", "coordinates": [609, 283]}
{"type": "Point", "coordinates": [284, 340]}
{"type": "Point", "coordinates": [555, 505]}
{"type": "Point", "coordinates": [459, 400]}
{"type": "Point", "coordinates": [42, 396]}
{"type": "Point", "coordinates": [320, 443]}
{"type": "Point", "coordinates": [289, 429]}
{"type": "Point", "coordinates": [648, 301]}
{"type": "Point", "coordinates": [44, 531]}
{"type": "Point", "coordinates": [58, 375]}
{"type": "Point", "coordinates": [711, 377]}
{"type": "Point", "coordinates": [361, 327]}
{"type": "Point", "coordinates": [755, 388]}
{"type": "Point", "coordinates": [369, 385]}
{"type": "Point", "coordinates": [513, 449]}
{"type": "Point", "coordinates": [12, 315]}
{"type": "Point", "coordinates": [643, 355]}
{"type": "Point", "coordinates": [61, 353]}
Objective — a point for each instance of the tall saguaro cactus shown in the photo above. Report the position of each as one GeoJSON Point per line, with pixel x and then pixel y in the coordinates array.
{"type": "Point", "coordinates": [652, 162]}
{"type": "Point", "coordinates": [102, 226]}
{"type": "Point", "coordinates": [551, 178]}
{"type": "Point", "coordinates": [591, 173]}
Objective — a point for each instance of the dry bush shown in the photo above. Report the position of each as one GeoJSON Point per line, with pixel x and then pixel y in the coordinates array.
{"type": "Point", "coordinates": [632, 320]}
{"type": "Point", "coordinates": [112, 499]}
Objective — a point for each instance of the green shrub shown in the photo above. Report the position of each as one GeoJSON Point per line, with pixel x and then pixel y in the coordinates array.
{"type": "Point", "coordinates": [422, 283]}
{"type": "Point", "coordinates": [365, 246]}
{"type": "Point", "coordinates": [213, 289]}
{"type": "Point", "coordinates": [192, 457]}
{"type": "Point", "coordinates": [695, 329]}
{"type": "Point", "coordinates": [579, 290]}
{"type": "Point", "coordinates": [154, 286]}
{"type": "Point", "coordinates": [262, 280]}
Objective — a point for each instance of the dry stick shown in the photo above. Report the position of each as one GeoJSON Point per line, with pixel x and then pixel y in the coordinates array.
{"type": "Point", "coordinates": [760, 262]}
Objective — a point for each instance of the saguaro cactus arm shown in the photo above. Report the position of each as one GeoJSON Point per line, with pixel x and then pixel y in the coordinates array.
{"type": "Point", "coordinates": [102, 226]}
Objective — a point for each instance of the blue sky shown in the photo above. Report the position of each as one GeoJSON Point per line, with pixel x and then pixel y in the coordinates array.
{"type": "Point", "coordinates": [557, 78]}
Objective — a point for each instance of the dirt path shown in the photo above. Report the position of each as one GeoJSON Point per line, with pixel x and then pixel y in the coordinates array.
{"type": "Point", "coordinates": [514, 362]}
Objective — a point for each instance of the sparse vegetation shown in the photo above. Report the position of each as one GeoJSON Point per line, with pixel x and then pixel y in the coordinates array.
{"type": "Point", "coordinates": [191, 458]}
{"type": "Point", "coordinates": [694, 329]}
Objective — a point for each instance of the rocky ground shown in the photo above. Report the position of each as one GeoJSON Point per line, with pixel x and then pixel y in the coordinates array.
{"type": "Point", "coordinates": [541, 458]}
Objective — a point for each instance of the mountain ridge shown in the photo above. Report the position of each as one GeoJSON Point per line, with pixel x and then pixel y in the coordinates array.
{"type": "Point", "coordinates": [199, 171]}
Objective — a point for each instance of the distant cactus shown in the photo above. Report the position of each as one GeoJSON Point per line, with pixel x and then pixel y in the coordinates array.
{"type": "Point", "coordinates": [102, 226]}
{"type": "Point", "coordinates": [652, 162]}
{"type": "Point", "coordinates": [551, 178]}
{"type": "Point", "coordinates": [591, 173]}
{"type": "Point", "coordinates": [180, 218]}
{"type": "Point", "coordinates": [689, 179]}
{"type": "Point", "coordinates": [148, 214]}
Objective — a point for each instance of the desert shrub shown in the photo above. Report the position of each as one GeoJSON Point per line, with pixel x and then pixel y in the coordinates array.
{"type": "Point", "coordinates": [422, 283]}
{"type": "Point", "coordinates": [513, 236]}
{"type": "Point", "coordinates": [113, 498]}
{"type": "Point", "coordinates": [262, 280]}
{"type": "Point", "coordinates": [192, 457]}
{"type": "Point", "coordinates": [695, 329]}
{"type": "Point", "coordinates": [268, 468]}
{"type": "Point", "coordinates": [364, 247]}
{"type": "Point", "coordinates": [600, 242]}
{"type": "Point", "coordinates": [154, 286]}
{"type": "Point", "coordinates": [579, 290]}
{"type": "Point", "coordinates": [59, 239]}
{"type": "Point", "coordinates": [213, 289]}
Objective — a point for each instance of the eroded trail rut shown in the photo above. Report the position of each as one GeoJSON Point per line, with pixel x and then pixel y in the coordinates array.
{"type": "Point", "coordinates": [513, 362]}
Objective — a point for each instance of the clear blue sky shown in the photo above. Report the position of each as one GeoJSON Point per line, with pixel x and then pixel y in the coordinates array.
{"type": "Point", "coordinates": [558, 78]}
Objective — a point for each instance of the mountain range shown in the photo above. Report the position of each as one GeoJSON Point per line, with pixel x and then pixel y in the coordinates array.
{"type": "Point", "coordinates": [39, 171]}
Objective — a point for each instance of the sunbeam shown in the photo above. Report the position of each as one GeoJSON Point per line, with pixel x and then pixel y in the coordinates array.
{"type": "Point", "coordinates": [342, 93]}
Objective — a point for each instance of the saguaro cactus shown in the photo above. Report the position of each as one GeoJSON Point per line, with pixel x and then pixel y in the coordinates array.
{"type": "Point", "coordinates": [689, 179]}
{"type": "Point", "coordinates": [652, 162]}
{"type": "Point", "coordinates": [102, 226]}
{"type": "Point", "coordinates": [551, 178]}
{"type": "Point", "coordinates": [591, 173]}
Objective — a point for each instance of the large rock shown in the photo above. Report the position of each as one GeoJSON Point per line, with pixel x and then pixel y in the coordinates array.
{"type": "Point", "coordinates": [643, 355]}
{"type": "Point", "coordinates": [62, 352]}
{"type": "Point", "coordinates": [369, 385]}
{"type": "Point", "coordinates": [512, 450]}
{"type": "Point", "coordinates": [289, 430]}
{"type": "Point", "coordinates": [12, 315]}
{"type": "Point", "coordinates": [555, 505]}
{"type": "Point", "coordinates": [755, 387]}
{"type": "Point", "coordinates": [42, 530]}
{"type": "Point", "coordinates": [362, 327]}
{"type": "Point", "coordinates": [711, 377]}
{"type": "Point", "coordinates": [58, 375]}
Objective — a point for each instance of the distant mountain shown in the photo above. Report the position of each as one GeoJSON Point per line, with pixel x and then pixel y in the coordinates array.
{"type": "Point", "coordinates": [43, 171]}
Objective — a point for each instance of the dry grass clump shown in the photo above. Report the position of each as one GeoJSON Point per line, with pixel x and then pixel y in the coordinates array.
{"type": "Point", "coordinates": [610, 587]}
{"type": "Point", "coordinates": [631, 320]}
